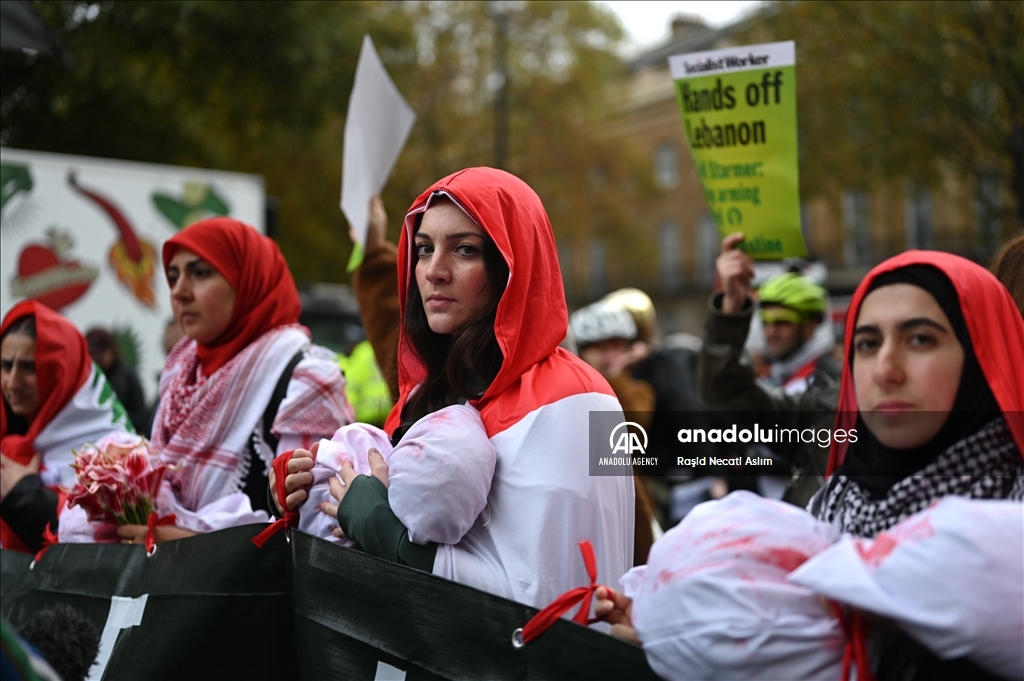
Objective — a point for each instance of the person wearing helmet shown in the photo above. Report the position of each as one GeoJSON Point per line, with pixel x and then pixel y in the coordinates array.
{"type": "Point", "coordinates": [792, 307]}
{"type": "Point", "coordinates": [670, 370]}
{"type": "Point", "coordinates": [802, 391]}
{"type": "Point", "coordinates": [639, 306]}
{"type": "Point", "coordinates": [607, 340]}
{"type": "Point", "coordinates": [656, 384]}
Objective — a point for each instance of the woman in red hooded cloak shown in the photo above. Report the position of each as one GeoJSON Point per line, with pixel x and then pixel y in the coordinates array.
{"type": "Point", "coordinates": [934, 385]}
{"type": "Point", "coordinates": [488, 334]}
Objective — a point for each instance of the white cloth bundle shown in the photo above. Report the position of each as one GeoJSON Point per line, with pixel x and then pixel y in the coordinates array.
{"type": "Point", "coordinates": [951, 576]}
{"type": "Point", "coordinates": [713, 601]}
{"type": "Point", "coordinates": [440, 474]}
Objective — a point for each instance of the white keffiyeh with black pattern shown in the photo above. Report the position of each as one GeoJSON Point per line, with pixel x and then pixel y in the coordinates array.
{"type": "Point", "coordinates": [984, 465]}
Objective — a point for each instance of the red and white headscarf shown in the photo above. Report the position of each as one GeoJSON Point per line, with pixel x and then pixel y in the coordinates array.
{"type": "Point", "coordinates": [77, 405]}
{"type": "Point", "coordinates": [253, 265]}
{"type": "Point", "coordinates": [532, 317]}
{"type": "Point", "coordinates": [62, 367]}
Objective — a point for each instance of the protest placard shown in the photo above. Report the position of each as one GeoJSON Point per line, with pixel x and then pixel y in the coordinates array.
{"type": "Point", "coordinates": [378, 123]}
{"type": "Point", "coordinates": [739, 110]}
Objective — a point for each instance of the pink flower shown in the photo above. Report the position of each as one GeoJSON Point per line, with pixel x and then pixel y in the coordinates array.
{"type": "Point", "coordinates": [79, 496]}
{"type": "Point", "coordinates": [110, 500]}
{"type": "Point", "coordinates": [118, 480]}
{"type": "Point", "coordinates": [136, 464]}
{"type": "Point", "coordinates": [149, 484]}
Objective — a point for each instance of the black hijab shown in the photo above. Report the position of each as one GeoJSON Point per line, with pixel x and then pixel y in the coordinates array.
{"type": "Point", "coordinates": [876, 468]}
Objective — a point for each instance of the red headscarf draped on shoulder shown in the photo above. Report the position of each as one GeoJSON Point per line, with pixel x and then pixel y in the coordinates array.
{"type": "Point", "coordinates": [253, 265]}
{"type": "Point", "coordinates": [993, 322]}
{"type": "Point", "coordinates": [62, 367]}
{"type": "Point", "coordinates": [532, 317]}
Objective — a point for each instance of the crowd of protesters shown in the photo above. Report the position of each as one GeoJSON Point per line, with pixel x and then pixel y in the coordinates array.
{"type": "Point", "coordinates": [468, 321]}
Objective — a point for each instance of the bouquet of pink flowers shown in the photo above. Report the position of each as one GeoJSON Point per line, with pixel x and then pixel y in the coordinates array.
{"type": "Point", "coordinates": [117, 480]}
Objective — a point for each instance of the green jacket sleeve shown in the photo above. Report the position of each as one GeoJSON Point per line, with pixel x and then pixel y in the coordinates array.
{"type": "Point", "coordinates": [366, 517]}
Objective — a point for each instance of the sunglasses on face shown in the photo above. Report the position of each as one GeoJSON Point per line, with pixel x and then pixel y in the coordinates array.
{"type": "Point", "coordinates": [780, 316]}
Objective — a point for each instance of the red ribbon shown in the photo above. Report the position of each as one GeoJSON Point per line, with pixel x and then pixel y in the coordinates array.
{"type": "Point", "coordinates": [855, 651]}
{"type": "Point", "coordinates": [291, 518]}
{"type": "Point", "coordinates": [49, 539]}
{"type": "Point", "coordinates": [561, 605]}
{"type": "Point", "coordinates": [154, 522]}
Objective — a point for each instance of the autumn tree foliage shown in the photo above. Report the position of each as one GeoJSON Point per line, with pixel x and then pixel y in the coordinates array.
{"type": "Point", "coordinates": [909, 89]}
{"type": "Point", "coordinates": [263, 87]}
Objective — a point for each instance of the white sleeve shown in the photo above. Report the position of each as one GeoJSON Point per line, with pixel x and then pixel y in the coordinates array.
{"type": "Point", "coordinates": [231, 510]}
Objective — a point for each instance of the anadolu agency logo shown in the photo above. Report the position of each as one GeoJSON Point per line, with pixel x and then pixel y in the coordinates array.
{"type": "Point", "coordinates": [628, 442]}
{"type": "Point", "coordinates": [625, 443]}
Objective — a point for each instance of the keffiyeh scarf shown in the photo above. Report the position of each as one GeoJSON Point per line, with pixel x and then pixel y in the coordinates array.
{"type": "Point", "coordinates": [984, 465]}
{"type": "Point", "coordinates": [205, 423]}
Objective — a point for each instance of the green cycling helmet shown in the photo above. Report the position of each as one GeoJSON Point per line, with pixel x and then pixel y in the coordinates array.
{"type": "Point", "coordinates": [796, 292]}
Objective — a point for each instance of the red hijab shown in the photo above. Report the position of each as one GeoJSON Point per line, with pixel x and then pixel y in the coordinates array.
{"type": "Point", "coordinates": [266, 296]}
{"type": "Point", "coordinates": [993, 322]}
{"type": "Point", "coordinates": [62, 367]}
{"type": "Point", "coordinates": [532, 317]}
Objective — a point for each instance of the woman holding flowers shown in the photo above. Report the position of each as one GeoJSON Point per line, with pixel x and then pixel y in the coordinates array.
{"type": "Point", "coordinates": [55, 400]}
{"type": "Point", "coordinates": [244, 384]}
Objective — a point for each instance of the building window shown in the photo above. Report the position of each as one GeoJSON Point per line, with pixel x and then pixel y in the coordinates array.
{"type": "Point", "coordinates": [666, 165]}
{"type": "Point", "coordinates": [668, 255]}
{"type": "Point", "coordinates": [598, 268]}
{"type": "Point", "coordinates": [920, 229]}
{"type": "Point", "coordinates": [987, 207]}
{"type": "Point", "coordinates": [708, 245]}
{"type": "Point", "coordinates": [857, 239]}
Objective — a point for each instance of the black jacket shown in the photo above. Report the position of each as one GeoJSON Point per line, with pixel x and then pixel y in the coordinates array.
{"type": "Point", "coordinates": [727, 383]}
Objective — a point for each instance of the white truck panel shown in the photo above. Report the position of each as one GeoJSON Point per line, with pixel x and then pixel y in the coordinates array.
{"type": "Point", "coordinates": [59, 245]}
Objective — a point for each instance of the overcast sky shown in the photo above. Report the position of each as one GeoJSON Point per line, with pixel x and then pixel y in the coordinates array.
{"type": "Point", "coordinates": [647, 22]}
